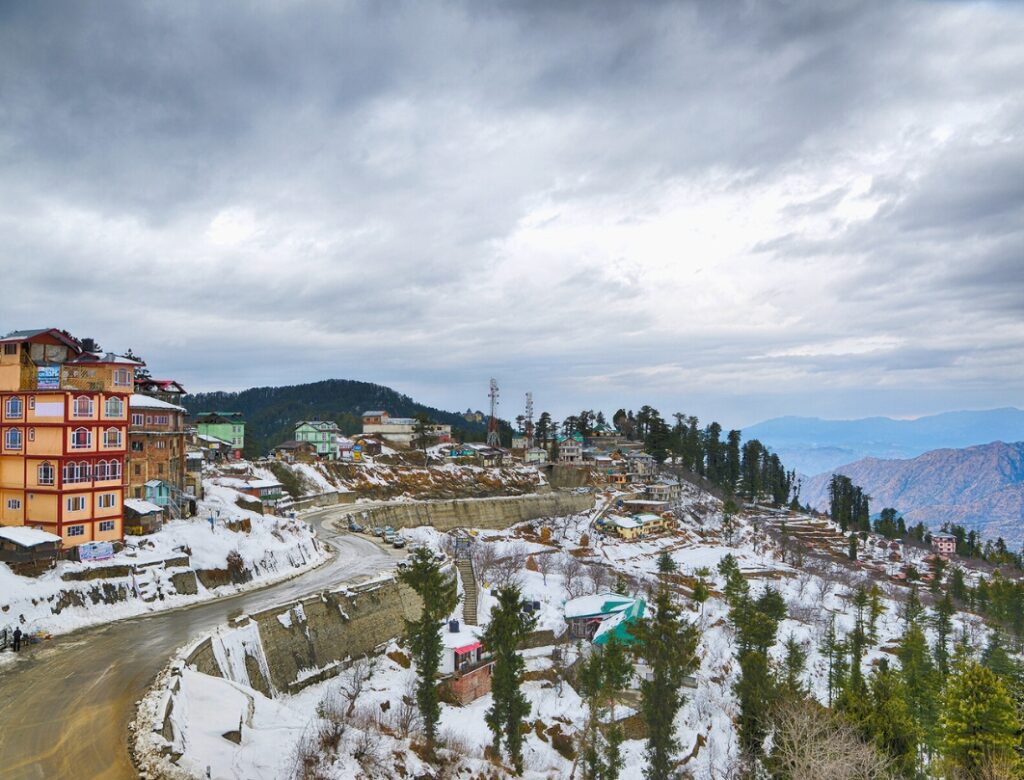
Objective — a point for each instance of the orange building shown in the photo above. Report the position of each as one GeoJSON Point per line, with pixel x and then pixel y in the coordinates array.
{"type": "Point", "coordinates": [63, 436]}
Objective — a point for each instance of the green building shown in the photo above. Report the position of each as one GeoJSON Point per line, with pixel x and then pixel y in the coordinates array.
{"type": "Point", "coordinates": [323, 434]}
{"type": "Point", "coordinates": [226, 426]}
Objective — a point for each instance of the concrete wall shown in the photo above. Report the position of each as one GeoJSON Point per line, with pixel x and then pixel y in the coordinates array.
{"type": "Point", "coordinates": [286, 648]}
{"type": "Point", "coordinates": [491, 513]}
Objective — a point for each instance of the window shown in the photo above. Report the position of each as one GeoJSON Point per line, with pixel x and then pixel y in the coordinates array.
{"type": "Point", "coordinates": [115, 407]}
{"type": "Point", "coordinates": [138, 446]}
{"type": "Point", "coordinates": [76, 503]}
{"type": "Point", "coordinates": [160, 468]}
{"type": "Point", "coordinates": [12, 439]}
{"type": "Point", "coordinates": [112, 437]}
{"type": "Point", "coordinates": [149, 419]}
{"type": "Point", "coordinates": [100, 472]}
{"type": "Point", "coordinates": [31, 434]}
{"type": "Point", "coordinates": [161, 444]}
{"type": "Point", "coordinates": [163, 419]}
{"type": "Point", "coordinates": [76, 530]}
{"type": "Point", "coordinates": [114, 470]}
{"type": "Point", "coordinates": [14, 408]}
{"type": "Point", "coordinates": [76, 472]}
{"type": "Point", "coordinates": [106, 525]}
{"type": "Point", "coordinates": [13, 503]}
{"type": "Point", "coordinates": [10, 349]}
{"type": "Point", "coordinates": [82, 406]}
{"type": "Point", "coordinates": [45, 474]}
{"type": "Point", "coordinates": [107, 500]}
{"type": "Point", "coordinates": [137, 419]}
{"type": "Point", "coordinates": [31, 402]}
{"type": "Point", "coordinates": [138, 469]}
{"type": "Point", "coordinates": [81, 438]}
{"type": "Point", "coordinates": [122, 377]}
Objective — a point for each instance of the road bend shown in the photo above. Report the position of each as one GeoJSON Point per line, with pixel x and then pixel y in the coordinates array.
{"type": "Point", "coordinates": [65, 707]}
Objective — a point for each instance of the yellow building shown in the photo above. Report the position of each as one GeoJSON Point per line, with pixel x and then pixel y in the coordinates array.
{"type": "Point", "coordinates": [63, 436]}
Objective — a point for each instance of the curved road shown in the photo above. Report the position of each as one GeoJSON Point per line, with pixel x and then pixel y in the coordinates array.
{"type": "Point", "coordinates": [65, 707]}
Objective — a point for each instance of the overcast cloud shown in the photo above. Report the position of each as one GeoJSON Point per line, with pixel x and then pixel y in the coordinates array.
{"type": "Point", "coordinates": [731, 209]}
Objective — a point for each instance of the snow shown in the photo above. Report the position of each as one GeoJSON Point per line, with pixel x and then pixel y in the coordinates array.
{"type": "Point", "coordinates": [142, 507]}
{"type": "Point", "coordinates": [140, 401]}
{"type": "Point", "coordinates": [27, 537]}
{"type": "Point", "coordinates": [597, 604]}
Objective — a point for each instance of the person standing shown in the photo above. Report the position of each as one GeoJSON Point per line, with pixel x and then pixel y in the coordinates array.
{"type": "Point", "coordinates": [17, 639]}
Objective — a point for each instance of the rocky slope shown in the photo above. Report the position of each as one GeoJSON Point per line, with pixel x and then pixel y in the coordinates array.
{"type": "Point", "coordinates": [979, 487]}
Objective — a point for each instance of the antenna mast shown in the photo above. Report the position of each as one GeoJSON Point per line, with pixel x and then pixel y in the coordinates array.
{"type": "Point", "coordinates": [529, 420]}
{"type": "Point", "coordinates": [493, 439]}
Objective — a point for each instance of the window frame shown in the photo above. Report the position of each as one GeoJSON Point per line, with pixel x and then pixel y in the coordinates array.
{"type": "Point", "coordinates": [107, 525]}
{"type": "Point", "coordinates": [118, 403]}
{"type": "Point", "coordinates": [14, 400]}
{"type": "Point", "coordinates": [76, 530]}
{"type": "Point", "coordinates": [75, 445]}
{"type": "Point", "coordinates": [124, 373]}
{"type": "Point", "coordinates": [76, 404]}
{"type": "Point", "coordinates": [46, 465]}
{"type": "Point", "coordinates": [106, 437]}
{"type": "Point", "coordinates": [14, 439]}
{"type": "Point", "coordinates": [76, 499]}
{"type": "Point", "coordinates": [14, 504]}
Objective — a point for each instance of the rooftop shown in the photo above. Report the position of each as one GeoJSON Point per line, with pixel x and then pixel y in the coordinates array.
{"type": "Point", "coordinates": [140, 401]}
{"type": "Point", "coordinates": [27, 537]}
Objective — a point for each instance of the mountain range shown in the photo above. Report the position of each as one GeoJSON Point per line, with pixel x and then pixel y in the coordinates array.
{"type": "Point", "coordinates": [980, 487]}
{"type": "Point", "coordinates": [271, 412]}
{"type": "Point", "coordinates": [812, 445]}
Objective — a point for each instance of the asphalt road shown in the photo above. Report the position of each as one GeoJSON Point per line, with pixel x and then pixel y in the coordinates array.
{"type": "Point", "coordinates": [65, 707]}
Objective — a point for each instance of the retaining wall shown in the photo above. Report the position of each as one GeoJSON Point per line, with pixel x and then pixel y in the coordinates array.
{"type": "Point", "coordinates": [490, 513]}
{"type": "Point", "coordinates": [284, 649]}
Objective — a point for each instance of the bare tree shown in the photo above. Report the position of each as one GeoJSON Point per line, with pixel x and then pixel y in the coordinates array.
{"type": "Point", "coordinates": [811, 742]}
{"type": "Point", "coordinates": [485, 556]}
{"type": "Point", "coordinates": [508, 569]}
{"type": "Point", "coordinates": [545, 565]}
{"type": "Point", "coordinates": [354, 680]}
{"type": "Point", "coordinates": [571, 569]}
{"type": "Point", "coordinates": [600, 578]}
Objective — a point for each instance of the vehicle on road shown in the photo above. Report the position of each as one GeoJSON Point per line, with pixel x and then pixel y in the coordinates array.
{"type": "Point", "coordinates": [354, 527]}
{"type": "Point", "coordinates": [398, 543]}
{"type": "Point", "coordinates": [377, 531]}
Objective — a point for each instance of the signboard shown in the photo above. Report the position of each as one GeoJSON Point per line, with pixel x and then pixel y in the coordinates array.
{"type": "Point", "coordinates": [48, 378]}
{"type": "Point", "coordinates": [95, 551]}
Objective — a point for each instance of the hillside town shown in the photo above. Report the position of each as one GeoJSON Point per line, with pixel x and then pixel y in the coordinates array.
{"type": "Point", "coordinates": [118, 502]}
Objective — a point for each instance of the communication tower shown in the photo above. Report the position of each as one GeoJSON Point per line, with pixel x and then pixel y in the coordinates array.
{"type": "Point", "coordinates": [493, 440]}
{"type": "Point", "coordinates": [529, 420]}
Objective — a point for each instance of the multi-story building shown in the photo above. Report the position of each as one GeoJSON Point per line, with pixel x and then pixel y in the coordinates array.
{"type": "Point", "coordinates": [156, 445]}
{"type": "Point", "coordinates": [402, 430]}
{"type": "Point", "coordinates": [63, 435]}
{"type": "Point", "coordinates": [323, 434]}
{"type": "Point", "coordinates": [226, 426]}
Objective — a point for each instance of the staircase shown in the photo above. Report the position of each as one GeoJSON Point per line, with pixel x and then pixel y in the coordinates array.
{"type": "Point", "coordinates": [465, 567]}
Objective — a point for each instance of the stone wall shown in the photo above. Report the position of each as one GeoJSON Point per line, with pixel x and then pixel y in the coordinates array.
{"type": "Point", "coordinates": [288, 647]}
{"type": "Point", "coordinates": [492, 513]}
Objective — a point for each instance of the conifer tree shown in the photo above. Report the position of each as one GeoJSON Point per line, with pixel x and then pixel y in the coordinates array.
{"type": "Point", "coordinates": [912, 608]}
{"type": "Point", "coordinates": [921, 682]}
{"type": "Point", "coordinates": [607, 671]}
{"type": "Point", "coordinates": [701, 593]}
{"type": "Point", "coordinates": [510, 624]}
{"type": "Point", "coordinates": [439, 596]}
{"type": "Point", "coordinates": [979, 723]}
{"type": "Point", "coordinates": [942, 622]}
{"type": "Point", "coordinates": [668, 645]}
{"type": "Point", "coordinates": [875, 610]}
{"type": "Point", "coordinates": [794, 664]}
{"type": "Point", "coordinates": [889, 723]}
{"type": "Point", "coordinates": [834, 650]}
{"type": "Point", "coordinates": [665, 563]}
{"type": "Point", "coordinates": [756, 623]}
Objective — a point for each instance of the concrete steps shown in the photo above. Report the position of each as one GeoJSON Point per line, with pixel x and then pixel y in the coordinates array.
{"type": "Point", "coordinates": [469, 587]}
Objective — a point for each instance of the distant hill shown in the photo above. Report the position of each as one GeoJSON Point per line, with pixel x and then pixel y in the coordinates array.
{"type": "Point", "coordinates": [812, 445]}
{"type": "Point", "coordinates": [271, 412]}
{"type": "Point", "coordinates": [979, 487]}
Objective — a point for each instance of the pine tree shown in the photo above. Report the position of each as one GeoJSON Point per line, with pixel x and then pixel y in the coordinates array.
{"type": "Point", "coordinates": [607, 671]}
{"type": "Point", "coordinates": [668, 645]}
{"type": "Point", "coordinates": [912, 608]}
{"type": "Point", "coordinates": [756, 623]}
{"type": "Point", "coordinates": [852, 553]}
{"type": "Point", "coordinates": [794, 664]}
{"type": "Point", "coordinates": [439, 595]}
{"type": "Point", "coordinates": [942, 622]}
{"type": "Point", "coordinates": [889, 723]}
{"type": "Point", "coordinates": [665, 563]}
{"type": "Point", "coordinates": [834, 650]}
{"type": "Point", "coordinates": [510, 624]}
{"type": "Point", "coordinates": [979, 723]}
{"type": "Point", "coordinates": [875, 610]}
{"type": "Point", "coordinates": [921, 682]}
{"type": "Point", "coordinates": [701, 593]}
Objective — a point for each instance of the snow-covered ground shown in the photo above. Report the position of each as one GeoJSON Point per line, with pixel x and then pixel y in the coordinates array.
{"type": "Point", "coordinates": [276, 732]}
{"type": "Point", "coordinates": [273, 548]}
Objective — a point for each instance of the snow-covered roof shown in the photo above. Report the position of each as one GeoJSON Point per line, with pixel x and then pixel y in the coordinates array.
{"type": "Point", "coordinates": [465, 636]}
{"type": "Point", "coordinates": [214, 439]}
{"type": "Point", "coordinates": [262, 483]}
{"type": "Point", "coordinates": [27, 537]}
{"type": "Point", "coordinates": [141, 507]}
{"type": "Point", "coordinates": [140, 401]}
{"type": "Point", "coordinates": [374, 413]}
{"type": "Point", "coordinates": [617, 624]}
{"type": "Point", "coordinates": [626, 522]}
{"type": "Point", "coordinates": [596, 604]}
{"type": "Point", "coordinates": [647, 518]}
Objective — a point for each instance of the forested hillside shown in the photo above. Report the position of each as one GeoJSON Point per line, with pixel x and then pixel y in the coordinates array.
{"type": "Point", "coordinates": [981, 488]}
{"type": "Point", "coordinates": [271, 412]}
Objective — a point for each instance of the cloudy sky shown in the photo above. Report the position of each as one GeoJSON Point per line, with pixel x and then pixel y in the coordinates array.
{"type": "Point", "coordinates": [731, 209]}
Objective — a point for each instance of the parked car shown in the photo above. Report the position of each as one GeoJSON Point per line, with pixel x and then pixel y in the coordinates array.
{"type": "Point", "coordinates": [399, 543]}
{"type": "Point", "coordinates": [389, 538]}
{"type": "Point", "coordinates": [376, 531]}
{"type": "Point", "coordinates": [355, 528]}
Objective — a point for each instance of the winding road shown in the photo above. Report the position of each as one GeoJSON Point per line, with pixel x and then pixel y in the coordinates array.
{"type": "Point", "coordinates": [65, 707]}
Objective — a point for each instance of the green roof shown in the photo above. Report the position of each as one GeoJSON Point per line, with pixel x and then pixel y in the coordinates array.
{"type": "Point", "coordinates": [618, 625]}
